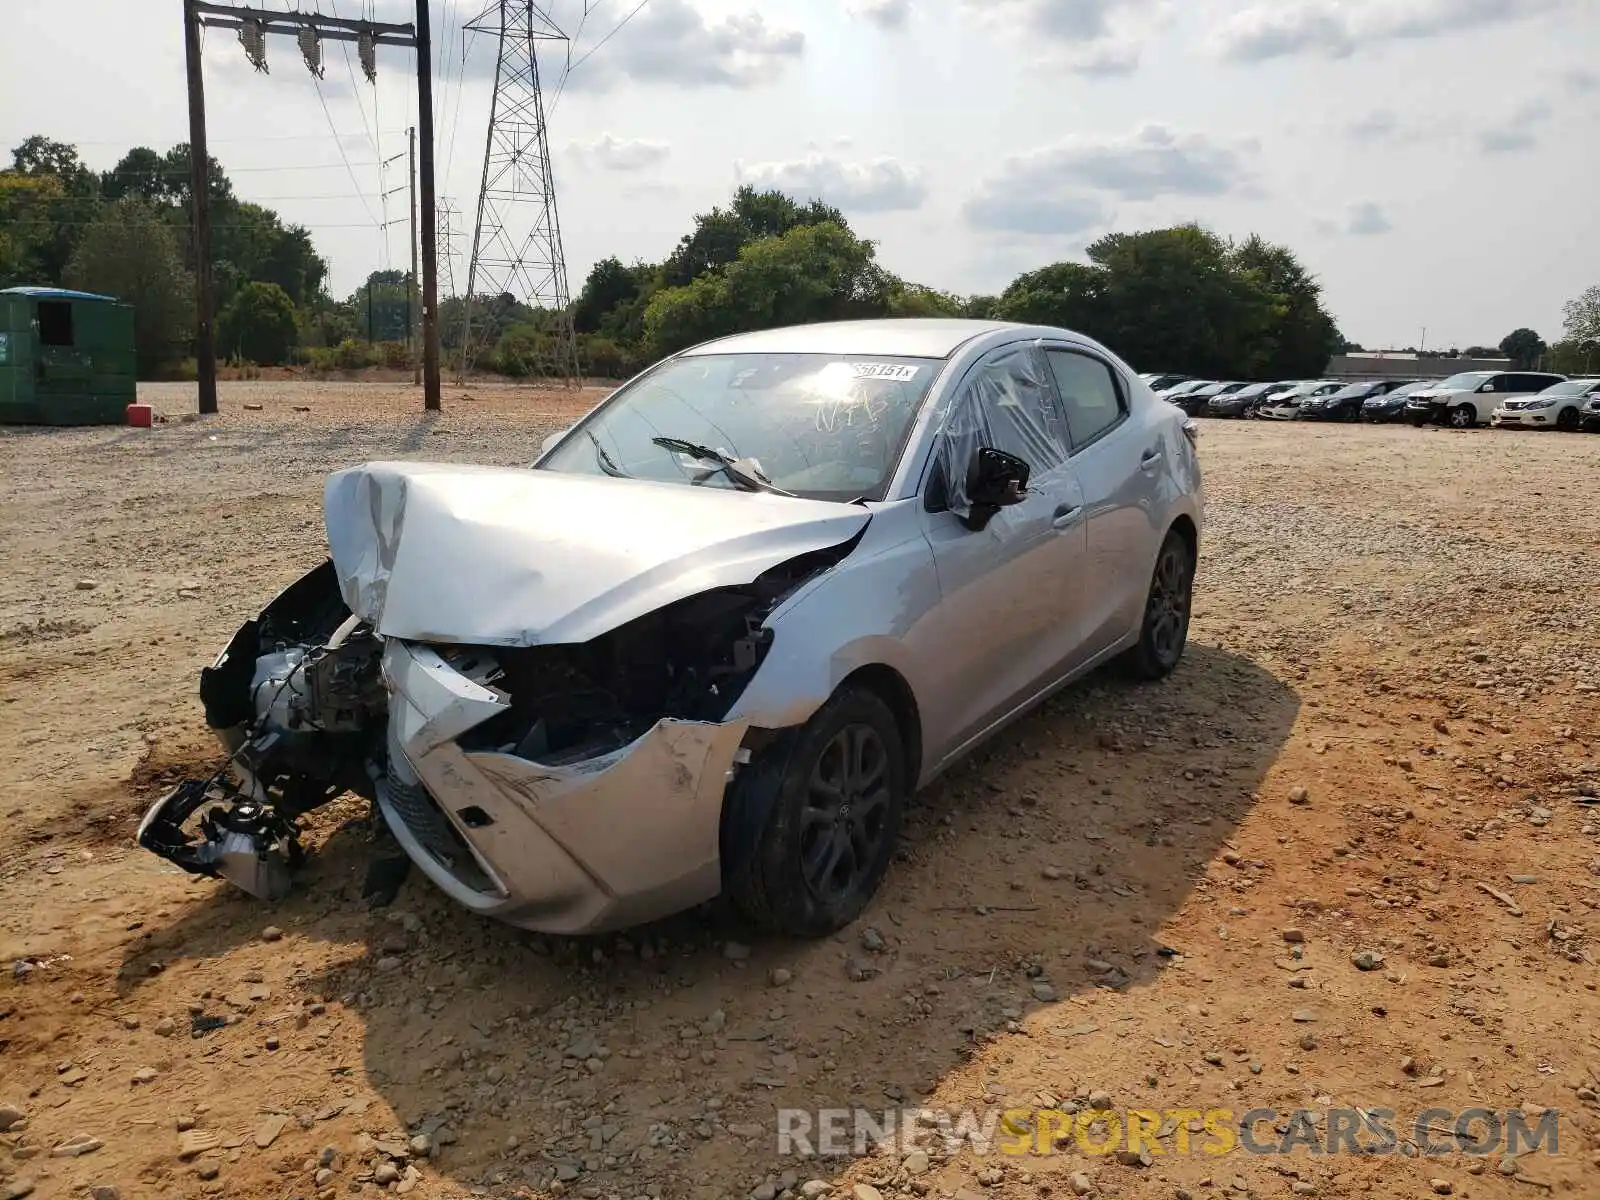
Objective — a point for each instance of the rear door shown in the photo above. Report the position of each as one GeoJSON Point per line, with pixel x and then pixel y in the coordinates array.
{"type": "Point", "coordinates": [1118, 462]}
{"type": "Point", "coordinates": [1012, 592]}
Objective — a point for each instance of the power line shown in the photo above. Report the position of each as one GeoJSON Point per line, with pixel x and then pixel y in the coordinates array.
{"type": "Point", "coordinates": [587, 54]}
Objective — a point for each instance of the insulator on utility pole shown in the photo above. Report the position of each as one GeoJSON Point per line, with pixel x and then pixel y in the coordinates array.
{"type": "Point", "coordinates": [253, 37]}
{"type": "Point", "coordinates": [311, 49]}
{"type": "Point", "coordinates": [367, 48]}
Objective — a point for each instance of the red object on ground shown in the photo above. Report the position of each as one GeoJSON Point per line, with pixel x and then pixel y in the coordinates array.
{"type": "Point", "coordinates": [141, 416]}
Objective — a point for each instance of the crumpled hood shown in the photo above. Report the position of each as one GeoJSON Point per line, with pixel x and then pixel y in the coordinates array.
{"type": "Point", "coordinates": [510, 556]}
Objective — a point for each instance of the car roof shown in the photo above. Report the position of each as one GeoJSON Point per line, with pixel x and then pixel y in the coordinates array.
{"type": "Point", "coordinates": [910, 337]}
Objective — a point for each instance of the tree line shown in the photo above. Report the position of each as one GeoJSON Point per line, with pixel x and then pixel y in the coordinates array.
{"type": "Point", "coordinates": [1180, 299]}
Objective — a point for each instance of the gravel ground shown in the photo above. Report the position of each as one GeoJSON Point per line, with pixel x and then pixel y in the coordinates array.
{"type": "Point", "coordinates": [1348, 856]}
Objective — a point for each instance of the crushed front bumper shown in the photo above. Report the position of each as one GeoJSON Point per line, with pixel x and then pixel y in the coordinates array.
{"type": "Point", "coordinates": [608, 842]}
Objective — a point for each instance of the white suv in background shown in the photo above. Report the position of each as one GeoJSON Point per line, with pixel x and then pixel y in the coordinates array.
{"type": "Point", "coordinates": [1469, 398]}
{"type": "Point", "coordinates": [1559, 406]}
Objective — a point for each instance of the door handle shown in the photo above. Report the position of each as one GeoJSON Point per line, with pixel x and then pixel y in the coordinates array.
{"type": "Point", "coordinates": [1150, 459]}
{"type": "Point", "coordinates": [1066, 515]}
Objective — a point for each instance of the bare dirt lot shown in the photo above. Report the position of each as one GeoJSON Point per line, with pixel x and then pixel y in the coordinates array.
{"type": "Point", "coordinates": [1347, 857]}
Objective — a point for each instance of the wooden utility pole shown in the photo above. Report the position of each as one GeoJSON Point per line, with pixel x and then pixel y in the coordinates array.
{"type": "Point", "coordinates": [411, 294]}
{"type": "Point", "coordinates": [205, 335]}
{"type": "Point", "coordinates": [430, 232]}
{"type": "Point", "coordinates": [257, 23]}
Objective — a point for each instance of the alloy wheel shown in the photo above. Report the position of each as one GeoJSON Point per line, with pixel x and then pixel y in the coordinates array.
{"type": "Point", "coordinates": [846, 812]}
{"type": "Point", "coordinates": [1167, 611]}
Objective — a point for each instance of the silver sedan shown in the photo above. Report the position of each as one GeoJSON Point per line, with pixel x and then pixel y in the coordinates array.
{"type": "Point", "coordinates": [717, 635]}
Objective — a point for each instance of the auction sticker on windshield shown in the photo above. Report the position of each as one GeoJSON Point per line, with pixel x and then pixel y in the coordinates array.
{"type": "Point", "coordinates": [897, 372]}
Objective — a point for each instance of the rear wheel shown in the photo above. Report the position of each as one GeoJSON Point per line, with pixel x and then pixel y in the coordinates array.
{"type": "Point", "coordinates": [1463, 416]}
{"type": "Point", "coordinates": [1165, 629]}
{"type": "Point", "coordinates": [832, 793]}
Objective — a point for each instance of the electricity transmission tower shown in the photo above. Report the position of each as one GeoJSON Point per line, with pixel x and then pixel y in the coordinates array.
{"type": "Point", "coordinates": [516, 243]}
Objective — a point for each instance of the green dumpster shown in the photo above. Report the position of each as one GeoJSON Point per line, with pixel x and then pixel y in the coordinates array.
{"type": "Point", "coordinates": [66, 358]}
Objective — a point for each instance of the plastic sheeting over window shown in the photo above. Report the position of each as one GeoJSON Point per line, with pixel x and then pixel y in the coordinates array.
{"type": "Point", "coordinates": [1005, 403]}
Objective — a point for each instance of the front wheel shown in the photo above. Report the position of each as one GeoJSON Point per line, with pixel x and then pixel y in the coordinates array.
{"type": "Point", "coordinates": [832, 793]}
{"type": "Point", "coordinates": [1463, 416]}
{"type": "Point", "coordinates": [1164, 631]}
{"type": "Point", "coordinates": [1567, 419]}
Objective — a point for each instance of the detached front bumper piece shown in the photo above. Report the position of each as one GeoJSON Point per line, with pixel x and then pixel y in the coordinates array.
{"type": "Point", "coordinates": [603, 843]}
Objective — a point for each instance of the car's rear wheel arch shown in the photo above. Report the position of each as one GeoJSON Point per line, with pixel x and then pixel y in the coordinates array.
{"type": "Point", "coordinates": [1184, 527]}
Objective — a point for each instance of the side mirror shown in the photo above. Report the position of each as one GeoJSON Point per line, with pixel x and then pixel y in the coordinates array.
{"type": "Point", "coordinates": [1487, 387]}
{"type": "Point", "coordinates": [544, 446]}
{"type": "Point", "coordinates": [995, 480]}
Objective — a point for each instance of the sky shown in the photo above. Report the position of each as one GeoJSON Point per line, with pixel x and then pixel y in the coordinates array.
{"type": "Point", "coordinates": [1436, 163]}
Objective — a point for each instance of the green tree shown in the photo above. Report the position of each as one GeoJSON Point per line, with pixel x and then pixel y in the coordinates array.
{"type": "Point", "coordinates": [720, 234]}
{"type": "Point", "coordinates": [915, 300]}
{"type": "Point", "coordinates": [609, 285]}
{"type": "Point", "coordinates": [1300, 336]}
{"type": "Point", "coordinates": [1523, 347]}
{"type": "Point", "coordinates": [1582, 316]}
{"type": "Point", "coordinates": [130, 253]}
{"type": "Point", "coordinates": [31, 237]}
{"type": "Point", "coordinates": [812, 273]}
{"type": "Point", "coordinates": [258, 325]}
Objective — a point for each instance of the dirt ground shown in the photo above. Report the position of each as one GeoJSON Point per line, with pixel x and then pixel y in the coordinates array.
{"type": "Point", "coordinates": [1385, 738]}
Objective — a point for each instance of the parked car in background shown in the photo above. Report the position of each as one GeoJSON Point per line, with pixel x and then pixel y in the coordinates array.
{"type": "Point", "coordinates": [1182, 389]}
{"type": "Point", "coordinates": [1285, 406]}
{"type": "Point", "coordinates": [1194, 403]}
{"type": "Point", "coordinates": [1345, 404]}
{"type": "Point", "coordinates": [1590, 418]}
{"type": "Point", "coordinates": [1559, 406]}
{"type": "Point", "coordinates": [1157, 382]}
{"type": "Point", "coordinates": [718, 633]}
{"type": "Point", "coordinates": [1391, 406]}
{"type": "Point", "coordinates": [1470, 398]}
{"type": "Point", "coordinates": [1243, 402]}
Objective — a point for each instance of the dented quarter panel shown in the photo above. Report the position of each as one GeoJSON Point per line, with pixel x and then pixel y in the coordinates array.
{"type": "Point", "coordinates": [516, 557]}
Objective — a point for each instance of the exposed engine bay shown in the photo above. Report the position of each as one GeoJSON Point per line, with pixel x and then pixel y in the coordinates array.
{"type": "Point", "coordinates": [300, 703]}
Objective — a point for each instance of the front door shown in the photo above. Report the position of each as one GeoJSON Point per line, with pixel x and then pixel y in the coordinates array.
{"type": "Point", "coordinates": [1012, 592]}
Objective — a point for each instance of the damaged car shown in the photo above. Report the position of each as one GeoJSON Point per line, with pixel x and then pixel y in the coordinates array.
{"type": "Point", "coordinates": [716, 636]}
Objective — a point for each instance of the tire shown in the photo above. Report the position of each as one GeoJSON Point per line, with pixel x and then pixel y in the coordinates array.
{"type": "Point", "coordinates": [1164, 629]}
{"type": "Point", "coordinates": [1567, 419]}
{"type": "Point", "coordinates": [1463, 416]}
{"type": "Point", "coordinates": [783, 882]}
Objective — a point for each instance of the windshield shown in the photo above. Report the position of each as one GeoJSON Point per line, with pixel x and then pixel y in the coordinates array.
{"type": "Point", "coordinates": [1405, 389]}
{"type": "Point", "coordinates": [1254, 389]}
{"type": "Point", "coordinates": [1294, 393]}
{"type": "Point", "coordinates": [1464, 382]}
{"type": "Point", "coordinates": [1350, 390]}
{"type": "Point", "coordinates": [1569, 387]}
{"type": "Point", "coordinates": [822, 426]}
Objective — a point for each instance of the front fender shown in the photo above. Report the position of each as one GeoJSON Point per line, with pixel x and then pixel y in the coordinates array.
{"type": "Point", "coordinates": [855, 615]}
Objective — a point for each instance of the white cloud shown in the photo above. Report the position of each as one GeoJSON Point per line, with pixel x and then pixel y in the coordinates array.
{"type": "Point", "coordinates": [1153, 161]}
{"type": "Point", "coordinates": [618, 154]}
{"type": "Point", "coordinates": [1380, 125]}
{"type": "Point", "coordinates": [1085, 37]}
{"type": "Point", "coordinates": [667, 42]}
{"type": "Point", "coordinates": [1368, 218]}
{"type": "Point", "coordinates": [1067, 187]}
{"type": "Point", "coordinates": [879, 185]}
{"type": "Point", "coordinates": [1581, 79]}
{"type": "Point", "coordinates": [1518, 132]}
{"type": "Point", "coordinates": [671, 43]}
{"type": "Point", "coordinates": [1337, 28]}
{"type": "Point", "coordinates": [886, 14]}
{"type": "Point", "coordinates": [997, 209]}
